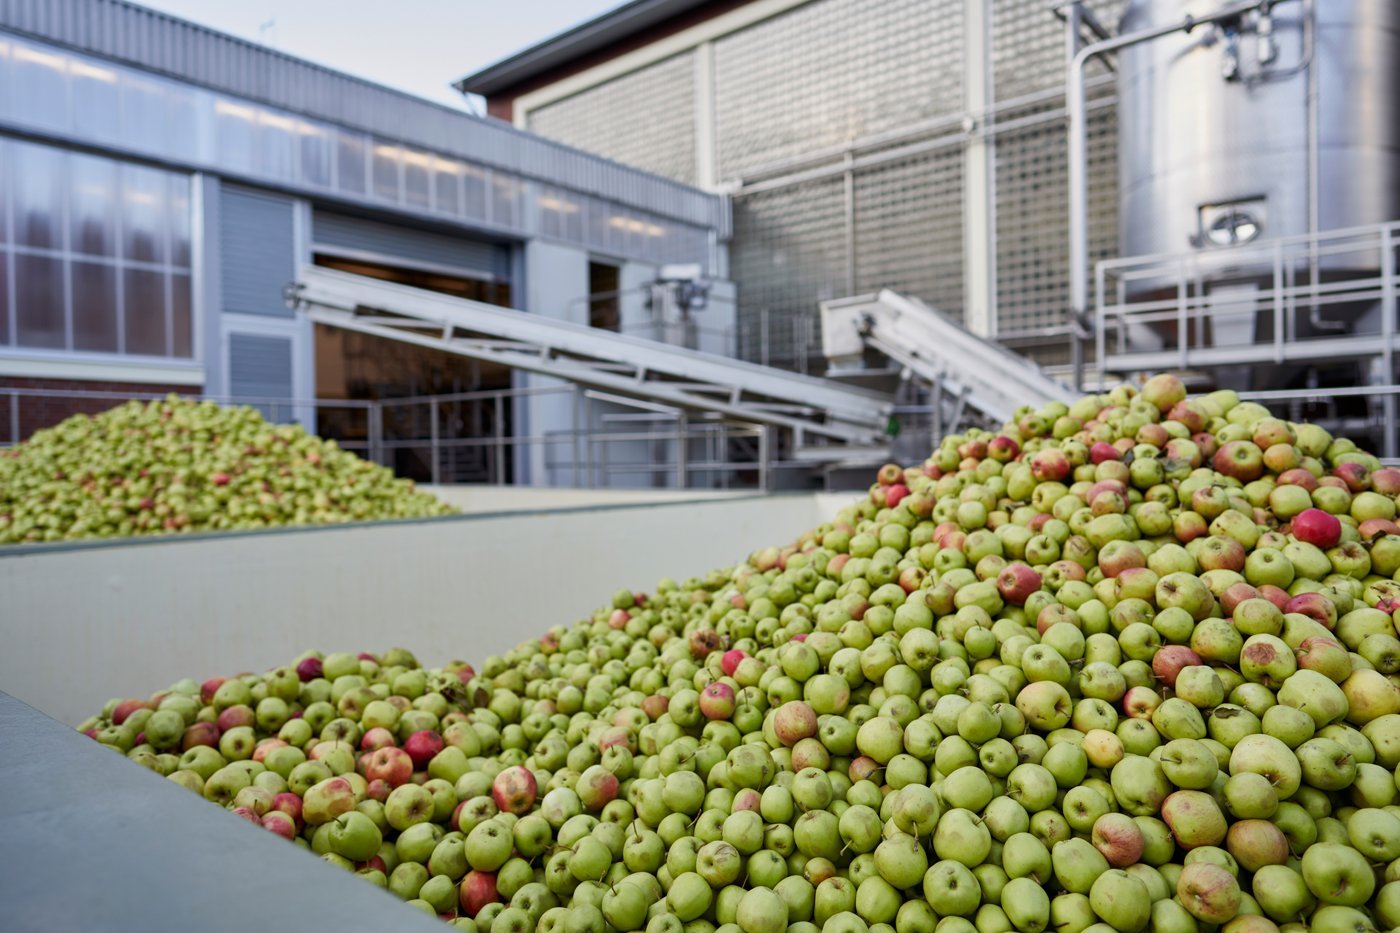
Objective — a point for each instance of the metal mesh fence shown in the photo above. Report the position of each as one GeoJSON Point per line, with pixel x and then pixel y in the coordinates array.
{"type": "Point", "coordinates": [830, 71]}
{"type": "Point", "coordinates": [646, 118]}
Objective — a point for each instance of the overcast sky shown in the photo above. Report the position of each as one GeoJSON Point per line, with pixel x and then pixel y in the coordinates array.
{"type": "Point", "coordinates": [419, 46]}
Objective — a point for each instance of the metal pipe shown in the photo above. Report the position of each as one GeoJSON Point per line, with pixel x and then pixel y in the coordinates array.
{"type": "Point", "coordinates": [1078, 146]}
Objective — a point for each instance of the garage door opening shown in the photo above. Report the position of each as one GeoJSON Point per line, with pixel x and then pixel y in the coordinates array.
{"type": "Point", "coordinates": [362, 367]}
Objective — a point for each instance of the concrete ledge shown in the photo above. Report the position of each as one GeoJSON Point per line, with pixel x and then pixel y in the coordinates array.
{"type": "Point", "coordinates": [89, 621]}
{"type": "Point", "coordinates": [94, 842]}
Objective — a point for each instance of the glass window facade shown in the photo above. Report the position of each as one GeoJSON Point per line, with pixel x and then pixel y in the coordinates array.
{"type": "Point", "coordinates": [94, 254]}
{"type": "Point", "coordinates": [68, 94]}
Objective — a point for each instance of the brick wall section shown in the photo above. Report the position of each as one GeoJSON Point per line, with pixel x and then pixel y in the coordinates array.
{"type": "Point", "coordinates": [37, 412]}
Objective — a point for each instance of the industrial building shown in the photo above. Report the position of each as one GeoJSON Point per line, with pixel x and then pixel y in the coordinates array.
{"type": "Point", "coordinates": [161, 185]}
{"type": "Point", "coordinates": [1231, 176]}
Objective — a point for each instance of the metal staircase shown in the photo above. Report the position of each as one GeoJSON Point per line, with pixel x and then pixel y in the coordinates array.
{"type": "Point", "coordinates": [967, 370]}
{"type": "Point", "coordinates": [826, 419]}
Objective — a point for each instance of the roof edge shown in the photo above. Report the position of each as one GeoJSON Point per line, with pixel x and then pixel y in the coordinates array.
{"type": "Point", "coordinates": [589, 36]}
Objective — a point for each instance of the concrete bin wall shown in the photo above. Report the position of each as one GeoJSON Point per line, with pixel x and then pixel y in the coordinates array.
{"type": "Point", "coordinates": [86, 622]}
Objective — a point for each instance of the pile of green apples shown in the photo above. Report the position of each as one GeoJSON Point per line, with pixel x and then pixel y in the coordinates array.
{"type": "Point", "coordinates": [1128, 664]}
{"type": "Point", "coordinates": [178, 465]}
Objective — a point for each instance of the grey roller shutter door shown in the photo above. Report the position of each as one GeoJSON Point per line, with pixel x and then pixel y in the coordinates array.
{"type": "Point", "coordinates": [260, 368]}
{"type": "Point", "coordinates": [338, 233]}
{"type": "Point", "coordinates": [257, 248]}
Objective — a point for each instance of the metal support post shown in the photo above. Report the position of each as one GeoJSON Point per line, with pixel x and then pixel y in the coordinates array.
{"type": "Point", "coordinates": [764, 454]}
{"type": "Point", "coordinates": [433, 440]}
{"type": "Point", "coordinates": [573, 474]}
{"type": "Point", "coordinates": [979, 176]}
{"type": "Point", "coordinates": [682, 468]}
{"type": "Point", "coordinates": [500, 441]}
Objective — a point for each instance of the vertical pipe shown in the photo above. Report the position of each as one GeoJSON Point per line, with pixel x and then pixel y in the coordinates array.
{"type": "Point", "coordinates": [14, 418]}
{"type": "Point", "coordinates": [848, 179]}
{"type": "Point", "coordinates": [979, 205]}
{"type": "Point", "coordinates": [1388, 335]}
{"type": "Point", "coordinates": [1077, 303]}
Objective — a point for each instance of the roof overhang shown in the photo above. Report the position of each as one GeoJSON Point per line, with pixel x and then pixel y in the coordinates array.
{"type": "Point", "coordinates": [598, 33]}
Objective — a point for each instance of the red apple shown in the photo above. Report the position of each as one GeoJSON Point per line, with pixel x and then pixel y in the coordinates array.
{"type": "Point", "coordinates": [422, 747]}
{"type": "Point", "coordinates": [514, 790]}
{"type": "Point", "coordinates": [1317, 527]}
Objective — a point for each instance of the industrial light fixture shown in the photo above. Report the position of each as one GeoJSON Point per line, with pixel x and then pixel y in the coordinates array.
{"type": "Point", "coordinates": [1232, 227]}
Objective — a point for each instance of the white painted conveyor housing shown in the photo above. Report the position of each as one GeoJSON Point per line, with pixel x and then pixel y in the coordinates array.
{"type": "Point", "coordinates": [645, 369]}
{"type": "Point", "coordinates": [986, 376]}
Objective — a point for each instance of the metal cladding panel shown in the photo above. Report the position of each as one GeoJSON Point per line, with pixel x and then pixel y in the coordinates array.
{"type": "Point", "coordinates": [789, 254]}
{"type": "Point", "coordinates": [157, 42]}
{"type": "Point", "coordinates": [1028, 45]}
{"type": "Point", "coordinates": [908, 229]}
{"type": "Point", "coordinates": [1032, 211]}
{"type": "Point", "coordinates": [646, 118]}
{"type": "Point", "coordinates": [832, 70]}
{"type": "Point", "coordinates": [259, 367]}
{"type": "Point", "coordinates": [439, 249]}
{"type": "Point", "coordinates": [257, 250]}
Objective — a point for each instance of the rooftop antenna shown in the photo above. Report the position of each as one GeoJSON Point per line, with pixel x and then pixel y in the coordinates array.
{"type": "Point", "coordinates": [264, 29]}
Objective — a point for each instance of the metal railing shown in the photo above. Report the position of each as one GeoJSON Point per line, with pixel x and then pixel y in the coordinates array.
{"type": "Point", "coordinates": [1181, 311]}
{"type": "Point", "coordinates": [470, 437]}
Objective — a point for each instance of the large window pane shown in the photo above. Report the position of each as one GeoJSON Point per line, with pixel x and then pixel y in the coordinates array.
{"type": "Point", "coordinates": [144, 306]}
{"type": "Point", "coordinates": [95, 307]}
{"type": "Point", "coordinates": [144, 207]}
{"type": "Point", "coordinates": [38, 195]}
{"type": "Point", "coordinates": [187, 105]}
{"type": "Point", "coordinates": [315, 155]}
{"type": "Point", "coordinates": [416, 178]}
{"type": "Point", "coordinates": [146, 113]}
{"type": "Point", "coordinates": [4, 298]}
{"type": "Point", "coordinates": [96, 102]}
{"type": "Point", "coordinates": [350, 162]}
{"type": "Point", "coordinates": [181, 318]}
{"type": "Point", "coordinates": [179, 186]}
{"type": "Point", "coordinates": [386, 161]}
{"type": "Point", "coordinates": [39, 302]}
{"type": "Point", "coordinates": [277, 145]}
{"type": "Point", "coordinates": [447, 186]}
{"type": "Point", "coordinates": [237, 130]}
{"type": "Point", "coordinates": [474, 192]}
{"type": "Point", "coordinates": [39, 87]}
{"type": "Point", "coordinates": [92, 205]}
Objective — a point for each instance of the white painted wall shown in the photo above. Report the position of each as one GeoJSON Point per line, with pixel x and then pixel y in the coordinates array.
{"type": "Point", "coordinates": [82, 623]}
{"type": "Point", "coordinates": [476, 498]}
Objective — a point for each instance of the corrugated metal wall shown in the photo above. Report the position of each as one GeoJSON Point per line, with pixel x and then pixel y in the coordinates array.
{"type": "Point", "coordinates": [357, 235]}
{"type": "Point", "coordinates": [260, 368]}
{"type": "Point", "coordinates": [257, 252]}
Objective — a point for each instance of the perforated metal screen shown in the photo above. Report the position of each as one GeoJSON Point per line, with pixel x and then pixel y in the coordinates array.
{"type": "Point", "coordinates": [645, 118]}
{"type": "Point", "coordinates": [830, 71]}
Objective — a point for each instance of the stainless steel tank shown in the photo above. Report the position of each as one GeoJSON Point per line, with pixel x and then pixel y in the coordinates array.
{"type": "Point", "coordinates": [1214, 141]}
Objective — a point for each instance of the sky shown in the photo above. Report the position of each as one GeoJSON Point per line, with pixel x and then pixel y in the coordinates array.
{"type": "Point", "coordinates": [419, 46]}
